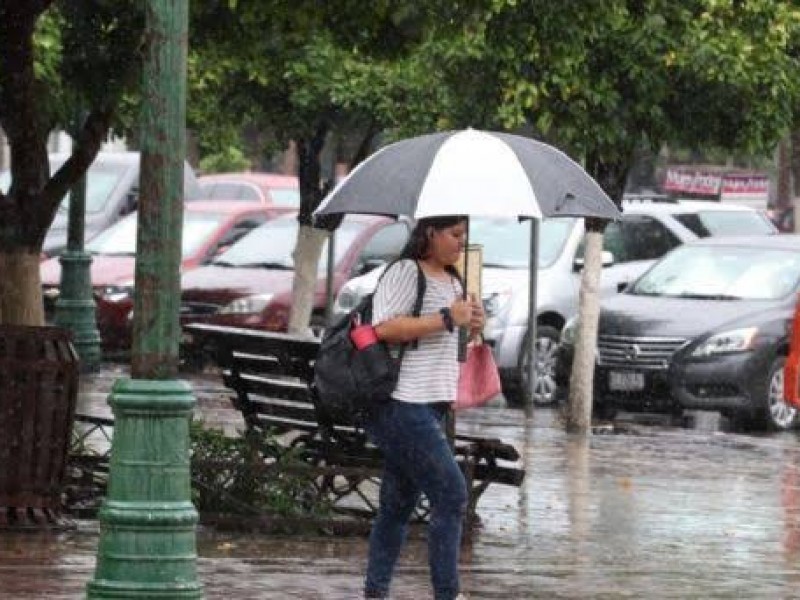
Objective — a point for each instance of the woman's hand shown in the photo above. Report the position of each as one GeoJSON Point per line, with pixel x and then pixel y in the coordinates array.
{"type": "Point", "coordinates": [461, 311]}
{"type": "Point", "coordinates": [477, 318]}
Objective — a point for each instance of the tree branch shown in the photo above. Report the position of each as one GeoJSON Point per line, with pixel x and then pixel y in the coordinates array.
{"type": "Point", "coordinates": [366, 143]}
{"type": "Point", "coordinates": [86, 147]}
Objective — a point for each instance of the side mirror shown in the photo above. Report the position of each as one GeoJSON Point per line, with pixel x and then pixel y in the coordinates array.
{"type": "Point", "coordinates": [607, 259]}
{"type": "Point", "coordinates": [369, 265]}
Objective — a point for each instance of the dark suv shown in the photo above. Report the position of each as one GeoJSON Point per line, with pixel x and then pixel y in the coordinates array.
{"type": "Point", "coordinates": [705, 328]}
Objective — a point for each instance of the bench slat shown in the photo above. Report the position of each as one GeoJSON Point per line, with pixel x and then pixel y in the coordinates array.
{"type": "Point", "coordinates": [268, 389]}
{"type": "Point", "coordinates": [271, 372]}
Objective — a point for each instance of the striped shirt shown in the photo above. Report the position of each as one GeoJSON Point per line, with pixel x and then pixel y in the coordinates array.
{"type": "Point", "coordinates": [428, 373]}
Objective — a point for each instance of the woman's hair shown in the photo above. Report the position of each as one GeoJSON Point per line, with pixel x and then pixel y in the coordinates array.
{"type": "Point", "coordinates": [417, 245]}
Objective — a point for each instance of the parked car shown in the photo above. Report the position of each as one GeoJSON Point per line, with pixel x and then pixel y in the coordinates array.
{"type": "Point", "coordinates": [707, 327]}
{"type": "Point", "coordinates": [783, 219]}
{"type": "Point", "coordinates": [266, 188]}
{"type": "Point", "coordinates": [208, 228]}
{"type": "Point", "coordinates": [112, 191]}
{"type": "Point", "coordinates": [250, 285]}
{"type": "Point", "coordinates": [647, 231]}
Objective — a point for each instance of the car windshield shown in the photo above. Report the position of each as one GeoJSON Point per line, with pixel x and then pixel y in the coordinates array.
{"type": "Point", "coordinates": [285, 197]}
{"type": "Point", "coordinates": [247, 192]}
{"type": "Point", "coordinates": [722, 272]}
{"type": "Point", "coordinates": [726, 222]}
{"type": "Point", "coordinates": [120, 238]}
{"type": "Point", "coordinates": [506, 242]}
{"type": "Point", "coordinates": [101, 181]}
{"type": "Point", "coordinates": [272, 244]}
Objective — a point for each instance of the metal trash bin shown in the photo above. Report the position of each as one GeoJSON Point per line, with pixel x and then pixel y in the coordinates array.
{"type": "Point", "coordinates": [39, 371]}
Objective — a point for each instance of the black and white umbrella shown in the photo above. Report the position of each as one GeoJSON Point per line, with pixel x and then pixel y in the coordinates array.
{"type": "Point", "coordinates": [473, 173]}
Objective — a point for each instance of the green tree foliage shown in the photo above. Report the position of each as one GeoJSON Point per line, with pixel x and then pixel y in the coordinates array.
{"type": "Point", "coordinates": [304, 70]}
{"type": "Point", "coordinates": [59, 60]}
{"type": "Point", "coordinates": [602, 78]}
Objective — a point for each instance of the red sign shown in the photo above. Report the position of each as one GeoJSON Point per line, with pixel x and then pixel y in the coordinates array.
{"type": "Point", "coordinates": [701, 182]}
{"type": "Point", "coordinates": [748, 185]}
{"type": "Point", "coordinates": [684, 181]}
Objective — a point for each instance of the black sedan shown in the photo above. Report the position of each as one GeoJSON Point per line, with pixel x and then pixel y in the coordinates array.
{"type": "Point", "coordinates": [705, 328]}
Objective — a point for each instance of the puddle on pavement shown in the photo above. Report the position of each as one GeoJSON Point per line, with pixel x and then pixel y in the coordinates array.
{"type": "Point", "coordinates": [652, 511]}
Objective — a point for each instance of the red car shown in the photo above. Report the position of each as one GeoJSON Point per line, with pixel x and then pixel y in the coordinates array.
{"type": "Point", "coordinates": [265, 188]}
{"type": "Point", "coordinates": [250, 285]}
{"type": "Point", "coordinates": [208, 228]}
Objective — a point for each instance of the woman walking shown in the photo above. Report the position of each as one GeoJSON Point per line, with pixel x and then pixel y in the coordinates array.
{"type": "Point", "coordinates": [409, 428]}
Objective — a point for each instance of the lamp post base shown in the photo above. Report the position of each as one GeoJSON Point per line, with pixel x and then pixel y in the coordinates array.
{"type": "Point", "coordinates": [75, 308]}
{"type": "Point", "coordinates": [148, 540]}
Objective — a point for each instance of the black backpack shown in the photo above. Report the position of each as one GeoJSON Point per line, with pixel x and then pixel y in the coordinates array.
{"type": "Point", "coordinates": [349, 382]}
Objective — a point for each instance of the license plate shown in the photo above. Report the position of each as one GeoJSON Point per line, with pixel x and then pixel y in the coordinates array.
{"type": "Point", "coordinates": [626, 381]}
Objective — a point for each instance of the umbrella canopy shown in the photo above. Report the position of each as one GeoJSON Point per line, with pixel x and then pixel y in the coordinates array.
{"type": "Point", "coordinates": [472, 173]}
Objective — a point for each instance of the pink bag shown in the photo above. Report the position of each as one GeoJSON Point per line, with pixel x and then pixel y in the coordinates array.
{"type": "Point", "coordinates": [479, 380]}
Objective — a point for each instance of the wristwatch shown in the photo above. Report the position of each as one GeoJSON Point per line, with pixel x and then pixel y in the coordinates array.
{"type": "Point", "coordinates": [447, 318]}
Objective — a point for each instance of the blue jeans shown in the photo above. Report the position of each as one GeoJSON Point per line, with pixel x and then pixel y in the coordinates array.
{"type": "Point", "coordinates": [417, 459]}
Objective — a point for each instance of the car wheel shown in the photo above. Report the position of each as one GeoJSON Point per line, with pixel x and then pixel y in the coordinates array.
{"type": "Point", "coordinates": [545, 389]}
{"type": "Point", "coordinates": [317, 325]}
{"type": "Point", "coordinates": [778, 414]}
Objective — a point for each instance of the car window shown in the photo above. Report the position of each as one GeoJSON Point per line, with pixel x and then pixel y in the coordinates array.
{"type": "Point", "coordinates": [719, 222]}
{"type": "Point", "coordinates": [638, 238]}
{"type": "Point", "coordinates": [100, 182]}
{"type": "Point", "coordinates": [506, 242]}
{"type": "Point", "coordinates": [386, 244]}
{"type": "Point", "coordinates": [285, 197]}
{"type": "Point", "coordinates": [719, 272]}
{"type": "Point", "coordinates": [272, 245]}
{"type": "Point", "coordinates": [237, 231]}
{"type": "Point", "coordinates": [228, 190]}
{"type": "Point", "coordinates": [120, 238]}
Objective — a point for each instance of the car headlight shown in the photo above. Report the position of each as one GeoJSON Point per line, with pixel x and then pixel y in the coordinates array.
{"type": "Point", "coordinates": [569, 332]}
{"type": "Point", "coordinates": [736, 340]}
{"type": "Point", "coordinates": [116, 293]}
{"type": "Point", "coordinates": [247, 305]}
{"type": "Point", "coordinates": [347, 300]}
{"type": "Point", "coordinates": [494, 303]}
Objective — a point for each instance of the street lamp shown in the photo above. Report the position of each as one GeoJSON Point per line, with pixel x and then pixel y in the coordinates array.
{"type": "Point", "coordinates": [148, 523]}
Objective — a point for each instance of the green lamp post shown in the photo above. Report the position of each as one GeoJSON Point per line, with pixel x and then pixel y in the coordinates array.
{"type": "Point", "coordinates": [75, 307]}
{"type": "Point", "coordinates": [148, 524]}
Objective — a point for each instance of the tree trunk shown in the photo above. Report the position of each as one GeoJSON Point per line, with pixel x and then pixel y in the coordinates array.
{"type": "Point", "coordinates": [783, 198]}
{"type": "Point", "coordinates": [611, 175]}
{"type": "Point", "coordinates": [795, 161]}
{"type": "Point", "coordinates": [20, 289]}
{"type": "Point", "coordinates": [581, 382]}
{"type": "Point", "coordinates": [306, 258]}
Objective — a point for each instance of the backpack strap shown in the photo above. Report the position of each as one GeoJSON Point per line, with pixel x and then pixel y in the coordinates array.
{"type": "Point", "coordinates": [417, 309]}
{"type": "Point", "coordinates": [421, 288]}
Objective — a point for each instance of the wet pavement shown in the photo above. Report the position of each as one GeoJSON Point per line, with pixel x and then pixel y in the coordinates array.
{"type": "Point", "coordinates": [641, 511]}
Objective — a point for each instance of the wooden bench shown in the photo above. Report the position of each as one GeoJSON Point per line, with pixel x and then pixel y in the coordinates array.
{"type": "Point", "coordinates": [270, 375]}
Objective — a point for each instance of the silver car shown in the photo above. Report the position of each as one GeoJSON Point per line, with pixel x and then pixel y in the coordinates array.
{"type": "Point", "coordinates": [112, 191]}
{"type": "Point", "coordinates": [647, 231]}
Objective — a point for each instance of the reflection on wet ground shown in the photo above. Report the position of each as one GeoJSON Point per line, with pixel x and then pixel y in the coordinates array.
{"type": "Point", "coordinates": [653, 512]}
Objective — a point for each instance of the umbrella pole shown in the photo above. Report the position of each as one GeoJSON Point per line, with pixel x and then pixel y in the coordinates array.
{"type": "Point", "coordinates": [330, 270]}
{"type": "Point", "coordinates": [463, 332]}
{"type": "Point", "coordinates": [533, 267]}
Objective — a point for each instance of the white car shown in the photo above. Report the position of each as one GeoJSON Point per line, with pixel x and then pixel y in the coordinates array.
{"type": "Point", "coordinates": [648, 230]}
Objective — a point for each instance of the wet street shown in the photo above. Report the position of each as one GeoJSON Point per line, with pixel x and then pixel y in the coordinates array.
{"type": "Point", "coordinates": [645, 511]}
